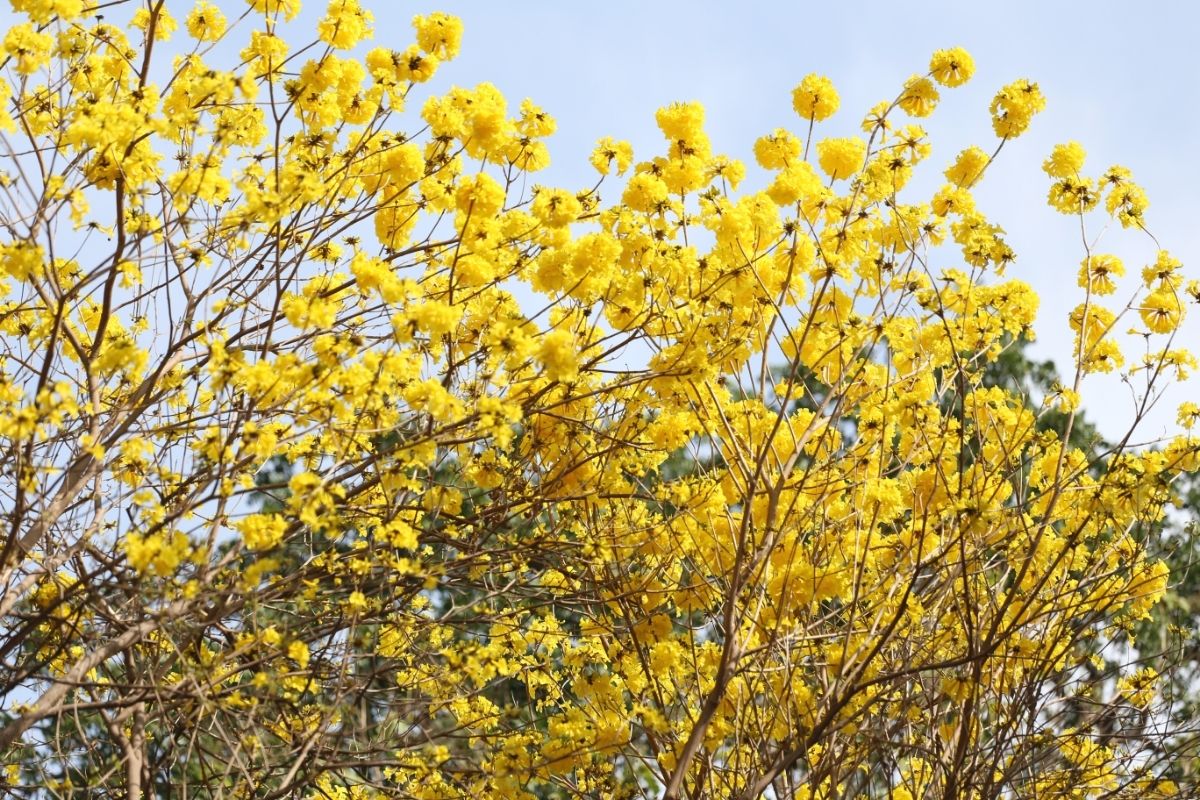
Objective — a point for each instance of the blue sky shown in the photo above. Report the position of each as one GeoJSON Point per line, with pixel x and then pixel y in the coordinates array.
{"type": "Point", "coordinates": [1119, 78]}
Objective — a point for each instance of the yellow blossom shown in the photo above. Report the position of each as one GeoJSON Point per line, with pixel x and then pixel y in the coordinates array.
{"type": "Point", "coordinates": [814, 98]}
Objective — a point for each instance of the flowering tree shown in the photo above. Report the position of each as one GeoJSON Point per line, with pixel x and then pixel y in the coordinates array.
{"type": "Point", "coordinates": [344, 460]}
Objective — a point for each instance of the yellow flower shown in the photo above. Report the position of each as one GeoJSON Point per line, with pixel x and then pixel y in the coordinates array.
{"type": "Point", "coordinates": [1161, 311]}
{"type": "Point", "coordinates": [262, 531]}
{"type": "Point", "coordinates": [952, 67]}
{"type": "Point", "coordinates": [206, 23]}
{"type": "Point", "coordinates": [952, 200]}
{"type": "Point", "coordinates": [289, 8]}
{"type": "Point", "coordinates": [610, 154]}
{"type": "Point", "coordinates": [298, 652]}
{"type": "Point", "coordinates": [42, 11]}
{"type": "Point", "coordinates": [798, 181]}
{"type": "Point", "coordinates": [157, 554]}
{"type": "Point", "coordinates": [1163, 273]}
{"type": "Point", "coordinates": [439, 34]}
{"type": "Point", "coordinates": [1065, 161]}
{"type": "Point", "coordinates": [1187, 414]}
{"type": "Point", "coordinates": [29, 49]}
{"type": "Point", "coordinates": [345, 24]}
{"type": "Point", "coordinates": [841, 158]}
{"type": "Point", "coordinates": [1098, 273]}
{"type": "Point", "coordinates": [968, 167]}
{"type": "Point", "coordinates": [1014, 106]}
{"type": "Point", "coordinates": [814, 98]}
{"type": "Point", "coordinates": [265, 52]}
{"type": "Point", "coordinates": [21, 260]}
{"type": "Point", "coordinates": [556, 207]}
{"type": "Point", "coordinates": [681, 122]}
{"type": "Point", "coordinates": [164, 24]}
{"type": "Point", "coordinates": [1128, 203]}
{"type": "Point", "coordinates": [559, 355]}
{"type": "Point", "coordinates": [1073, 195]}
{"type": "Point", "coordinates": [920, 97]}
{"type": "Point", "coordinates": [777, 150]}
{"type": "Point", "coordinates": [644, 192]}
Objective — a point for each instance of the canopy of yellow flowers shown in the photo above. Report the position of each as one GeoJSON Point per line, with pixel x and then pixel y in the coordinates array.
{"type": "Point", "coordinates": [343, 459]}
